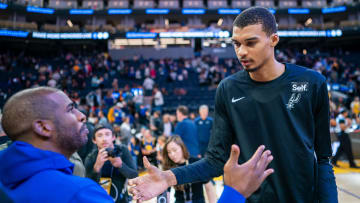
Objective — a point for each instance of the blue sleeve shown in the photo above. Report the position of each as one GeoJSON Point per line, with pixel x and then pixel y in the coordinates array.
{"type": "Point", "coordinates": [178, 129]}
{"type": "Point", "coordinates": [231, 195]}
{"type": "Point", "coordinates": [93, 193]}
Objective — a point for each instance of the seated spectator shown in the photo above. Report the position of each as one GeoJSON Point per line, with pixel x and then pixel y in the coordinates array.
{"type": "Point", "coordinates": [110, 163]}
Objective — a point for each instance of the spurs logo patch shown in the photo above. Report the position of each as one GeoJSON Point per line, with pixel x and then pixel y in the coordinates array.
{"type": "Point", "coordinates": [295, 98]}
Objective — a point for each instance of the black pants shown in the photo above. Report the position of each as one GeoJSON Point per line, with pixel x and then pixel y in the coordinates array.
{"type": "Point", "coordinates": [345, 147]}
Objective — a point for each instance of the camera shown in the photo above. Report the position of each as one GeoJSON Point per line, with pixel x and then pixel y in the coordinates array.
{"type": "Point", "coordinates": [113, 152]}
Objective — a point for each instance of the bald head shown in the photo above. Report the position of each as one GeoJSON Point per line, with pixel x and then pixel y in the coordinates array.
{"type": "Point", "coordinates": [25, 107]}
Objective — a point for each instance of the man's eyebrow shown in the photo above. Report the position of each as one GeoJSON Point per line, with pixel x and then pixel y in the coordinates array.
{"type": "Point", "coordinates": [251, 38]}
{"type": "Point", "coordinates": [71, 105]}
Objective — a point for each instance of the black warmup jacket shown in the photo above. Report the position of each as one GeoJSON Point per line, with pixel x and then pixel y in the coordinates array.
{"type": "Point", "coordinates": [290, 116]}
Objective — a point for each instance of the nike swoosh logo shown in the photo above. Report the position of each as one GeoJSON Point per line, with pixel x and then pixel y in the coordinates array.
{"type": "Point", "coordinates": [236, 100]}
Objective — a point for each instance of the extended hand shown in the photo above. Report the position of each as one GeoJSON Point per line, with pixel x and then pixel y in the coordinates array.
{"type": "Point", "coordinates": [151, 185]}
{"type": "Point", "coordinates": [247, 178]}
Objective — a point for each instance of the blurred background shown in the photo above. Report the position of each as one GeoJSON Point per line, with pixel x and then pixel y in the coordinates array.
{"type": "Point", "coordinates": [131, 63]}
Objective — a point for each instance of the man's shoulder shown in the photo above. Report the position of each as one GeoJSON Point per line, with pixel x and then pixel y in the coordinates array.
{"type": "Point", "coordinates": [238, 76]}
{"type": "Point", "coordinates": [55, 185]}
{"type": "Point", "coordinates": [308, 73]}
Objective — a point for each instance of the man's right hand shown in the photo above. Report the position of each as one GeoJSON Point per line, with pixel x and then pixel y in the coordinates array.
{"type": "Point", "coordinates": [152, 184]}
{"type": "Point", "coordinates": [247, 177]}
{"type": "Point", "coordinates": [100, 160]}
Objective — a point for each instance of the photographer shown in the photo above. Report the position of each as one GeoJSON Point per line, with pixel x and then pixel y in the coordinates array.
{"type": "Point", "coordinates": [110, 165]}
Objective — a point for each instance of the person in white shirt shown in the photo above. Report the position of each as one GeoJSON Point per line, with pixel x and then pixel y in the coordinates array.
{"type": "Point", "coordinates": [158, 99]}
{"type": "Point", "coordinates": [148, 86]}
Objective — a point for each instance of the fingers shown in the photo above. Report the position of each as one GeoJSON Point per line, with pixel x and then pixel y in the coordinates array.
{"type": "Point", "coordinates": [234, 155]}
{"type": "Point", "coordinates": [266, 174]}
{"type": "Point", "coordinates": [146, 162]}
{"type": "Point", "coordinates": [257, 155]}
{"type": "Point", "coordinates": [266, 158]}
{"type": "Point", "coordinates": [136, 194]}
{"type": "Point", "coordinates": [134, 182]}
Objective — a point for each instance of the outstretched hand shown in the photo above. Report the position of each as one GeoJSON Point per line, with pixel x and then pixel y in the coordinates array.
{"type": "Point", "coordinates": [151, 185]}
{"type": "Point", "coordinates": [247, 177]}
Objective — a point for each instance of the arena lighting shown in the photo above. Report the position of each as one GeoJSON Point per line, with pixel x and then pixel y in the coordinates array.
{"type": "Point", "coordinates": [12, 33]}
{"type": "Point", "coordinates": [194, 11]}
{"type": "Point", "coordinates": [86, 35]}
{"type": "Point", "coordinates": [69, 23]}
{"type": "Point", "coordinates": [310, 33]}
{"type": "Point", "coordinates": [32, 9]}
{"type": "Point", "coordinates": [81, 11]}
{"type": "Point", "coordinates": [298, 11]}
{"type": "Point", "coordinates": [141, 35]}
{"type": "Point", "coordinates": [221, 34]}
{"type": "Point", "coordinates": [220, 22]}
{"type": "Point", "coordinates": [273, 11]}
{"type": "Point", "coordinates": [119, 11]}
{"type": "Point", "coordinates": [225, 11]}
{"type": "Point", "coordinates": [3, 6]}
{"type": "Point", "coordinates": [334, 9]}
{"type": "Point", "coordinates": [157, 11]}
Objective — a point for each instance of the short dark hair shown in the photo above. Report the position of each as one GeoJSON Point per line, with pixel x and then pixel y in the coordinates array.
{"type": "Point", "coordinates": [26, 106]}
{"type": "Point", "coordinates": [183, 110]}
{"type": "Point", "coordinates": [257, 15]}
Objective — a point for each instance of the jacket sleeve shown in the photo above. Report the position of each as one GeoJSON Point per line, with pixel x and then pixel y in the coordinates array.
{"type": "Point", "coordinates": [327, 189]}
{"type": "Point", "coordinates": [93, 193]}
{"type": "Point", "coordinates": [128, 168]}
{"type": "Point", "coordinates": [89, 166]}
{"type": "Point", "coordinates": [229, 194]}
{"type": "Point", "coordinates": [218, 150]}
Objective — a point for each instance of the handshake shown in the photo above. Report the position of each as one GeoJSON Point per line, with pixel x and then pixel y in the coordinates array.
{"type": "Point", "coordinates": [245, 178]}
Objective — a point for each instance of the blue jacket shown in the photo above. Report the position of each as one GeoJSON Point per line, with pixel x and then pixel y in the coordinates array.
{"type": "Point", "coordinates": [204, 131]}
{"type": "Point", "coordinates": [34, 175]}
{"type": "Point", "coordinates": [231, 195]}
{"type": "Point", "coordinates": [186, 129]}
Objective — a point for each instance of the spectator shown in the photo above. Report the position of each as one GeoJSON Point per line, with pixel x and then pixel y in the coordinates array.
{"type": "Point", "coordinates": [158, 100]}
{"type": "Point", "coordinates": [113, 168]}
{"type": "Point", "coordinates": [176, 154]}
{"type": "Point", "coordinates": [186, 129]}
{"type": "Point", "coordinates": [156, 125]}
{"type": "Point", "coordinates": [167, 125]}
{"type": "Point", "coordinates": [125, 131]}
{"type": "Point", "coordinates": [148, 86]}
{"type": "Point", "coordinates": [148, 147]}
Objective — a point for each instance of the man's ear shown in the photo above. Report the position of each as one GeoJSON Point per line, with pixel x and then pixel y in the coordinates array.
{"type": "Point", "coordinates": [43, 128]}
{"type": "Point", "coordinates": [274, 39]}
{"type": "Point", "coordinates": [93, 140]}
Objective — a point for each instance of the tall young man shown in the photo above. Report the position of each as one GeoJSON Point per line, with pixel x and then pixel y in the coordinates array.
{"type": "Point", "coordinates": [282, 106]}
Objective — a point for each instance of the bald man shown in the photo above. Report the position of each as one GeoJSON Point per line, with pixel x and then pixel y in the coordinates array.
{"type": "Point", "coordinates": [46, 129]}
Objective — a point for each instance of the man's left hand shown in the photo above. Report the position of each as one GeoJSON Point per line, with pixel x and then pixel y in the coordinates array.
{"type": "Point", "coordinates": [116, 161]}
